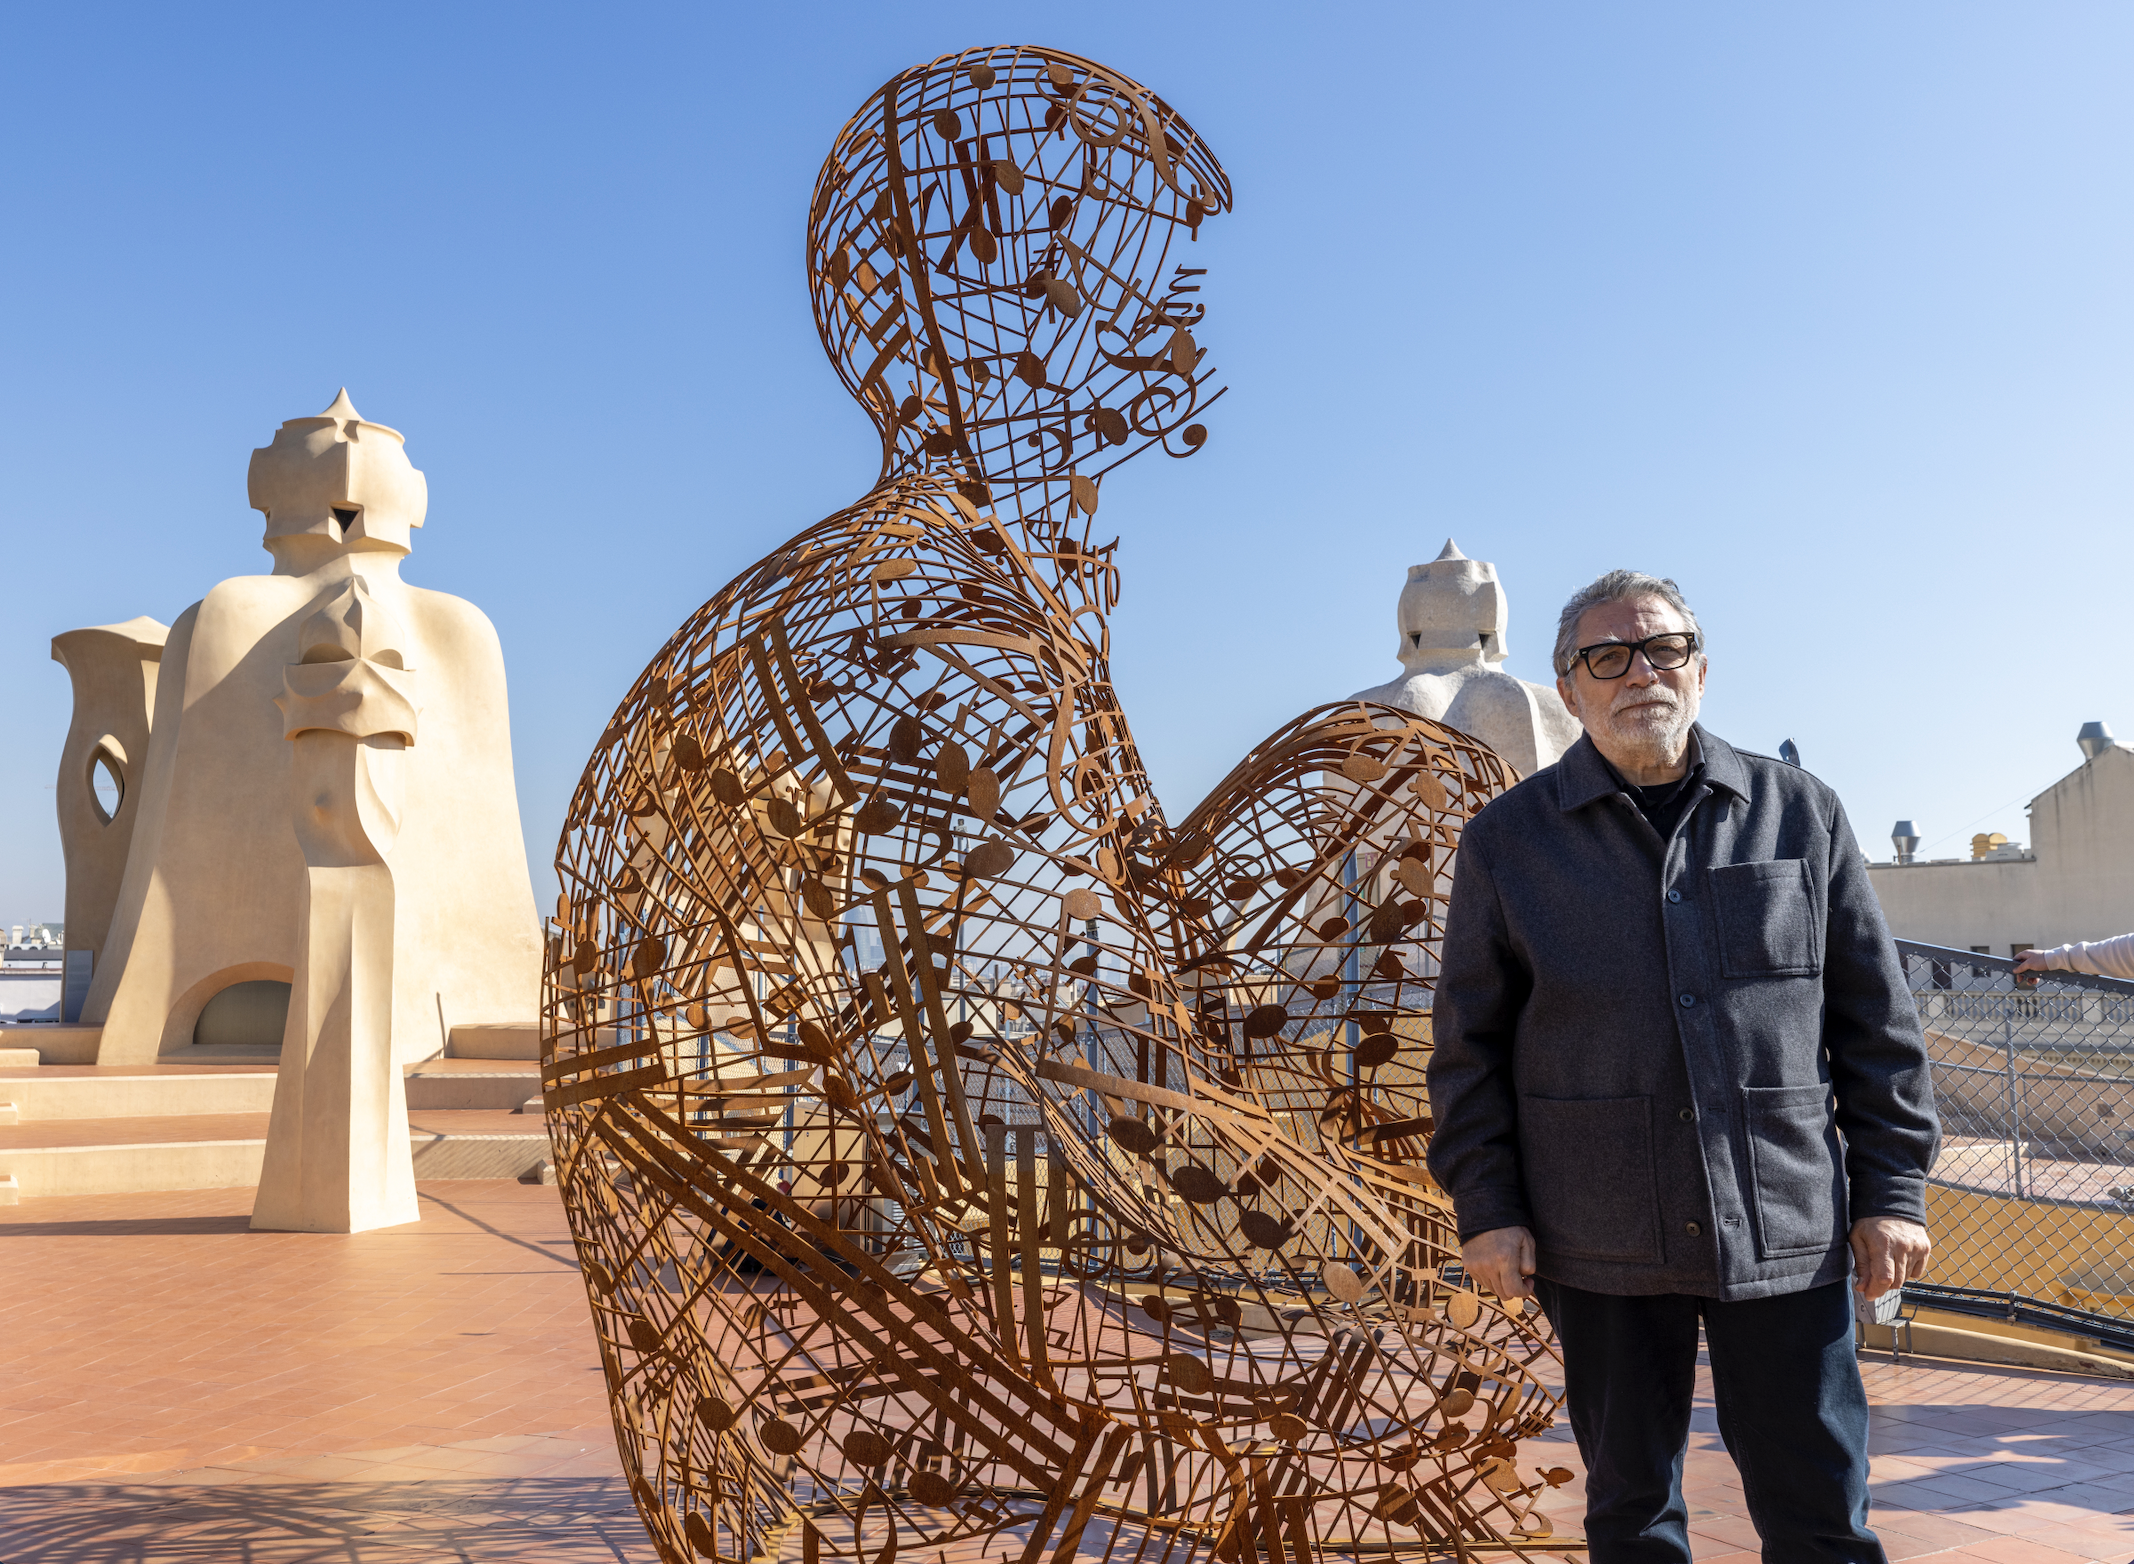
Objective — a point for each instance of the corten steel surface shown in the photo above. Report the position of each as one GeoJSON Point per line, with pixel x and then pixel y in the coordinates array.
{"type": "Point", "coordinates": [955, 1145]}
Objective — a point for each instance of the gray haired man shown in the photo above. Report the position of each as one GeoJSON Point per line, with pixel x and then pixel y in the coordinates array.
{"type": "Point", "coordinates": [1667, 992]}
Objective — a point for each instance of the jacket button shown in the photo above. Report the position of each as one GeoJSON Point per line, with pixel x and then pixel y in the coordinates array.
{"type": "Point", "coordinates": [1687, 1115]}
{"type": "Point", "coordinates": [1674, 895]}
{"type": "Point", "coordinates": [1688, 1000]}
{"type": "Point", "coordinates": [1692, 1228]}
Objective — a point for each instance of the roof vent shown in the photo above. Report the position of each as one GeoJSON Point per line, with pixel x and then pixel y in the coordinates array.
{"type": "Point", "coordinates": [1904, 836]}
{"type": "Point", "coordinates": [2095, 738]}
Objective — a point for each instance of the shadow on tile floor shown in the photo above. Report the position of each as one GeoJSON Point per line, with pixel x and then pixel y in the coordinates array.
{"type": "Point", "coordinates": [556, 1520]}
{"type": "Point", "coordinates": [131, 1227]}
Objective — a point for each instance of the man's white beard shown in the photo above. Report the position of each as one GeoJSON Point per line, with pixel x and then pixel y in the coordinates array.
{"type": "Point", "coordinates": [1650, 732]}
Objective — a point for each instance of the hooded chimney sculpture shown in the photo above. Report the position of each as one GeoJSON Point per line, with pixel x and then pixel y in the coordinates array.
{"type": "Point", "coordinates": [319, 827]}
{"type": "Point", "coordinates": [1452, 617]}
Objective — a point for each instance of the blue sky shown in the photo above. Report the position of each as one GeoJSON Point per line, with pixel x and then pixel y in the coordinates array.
{"type": "Point", "coordinates": [1823, 310]}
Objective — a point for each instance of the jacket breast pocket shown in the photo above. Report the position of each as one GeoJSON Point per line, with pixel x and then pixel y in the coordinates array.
{"type": "Point", "coordinates": [1766, 917]}
{"type": "Point", "coordinates": [1589, 1176]}
{"type": "Point", "coordinates": [1798, 1170]}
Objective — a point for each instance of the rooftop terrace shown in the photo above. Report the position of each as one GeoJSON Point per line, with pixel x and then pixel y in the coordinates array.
{"type": "Point", "coordinates": [182, 1391]}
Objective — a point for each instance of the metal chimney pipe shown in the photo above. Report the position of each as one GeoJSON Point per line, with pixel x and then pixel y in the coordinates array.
{"type": "Point", "coordinates": [1905, 837]}
{"type": "Point", "coordinates": [2095, 738]}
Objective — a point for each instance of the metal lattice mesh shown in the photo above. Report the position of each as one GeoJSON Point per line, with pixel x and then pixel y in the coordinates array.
{"type": "Point", "coordinates": [2032, 1195]}
{"type": "Point", "coordinates": [954, 1142]}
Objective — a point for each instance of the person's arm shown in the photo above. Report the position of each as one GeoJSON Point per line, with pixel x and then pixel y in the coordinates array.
{"type": "Point", "coordinates": [1482, 985]}
{"type": "Point", "coordinates": [2112, 958]}
{"type": "Point", "coordinates": [1879, 1069]}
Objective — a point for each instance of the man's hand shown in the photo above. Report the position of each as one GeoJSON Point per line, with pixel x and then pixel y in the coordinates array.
{"type": "Point", "coordinates": [1887, 1251]}
{"type": "Point", "coordinates": [2031, 961]}
{"type": "Point", "coordinates": [1502, 1260]}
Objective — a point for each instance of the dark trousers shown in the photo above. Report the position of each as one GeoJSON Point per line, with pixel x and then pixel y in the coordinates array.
{"type": "Point", "coordinates": [1791, 1410]}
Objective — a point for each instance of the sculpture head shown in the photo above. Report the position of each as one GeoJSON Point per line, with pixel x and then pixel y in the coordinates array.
{"type": "Point", "coordinates": [991, 255]}
{"type": "Point", "coordinates": [1452, 612]}
{"type": "Point", "coordinates": [335, 484]}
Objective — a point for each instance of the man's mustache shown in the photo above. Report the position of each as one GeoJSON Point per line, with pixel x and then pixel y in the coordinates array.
{"type": "Point", "coordinates": [1650, 695]}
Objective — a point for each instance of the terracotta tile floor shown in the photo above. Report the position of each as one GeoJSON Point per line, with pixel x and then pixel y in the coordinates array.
{"type": "Point", "coordinates": [177, 1390]}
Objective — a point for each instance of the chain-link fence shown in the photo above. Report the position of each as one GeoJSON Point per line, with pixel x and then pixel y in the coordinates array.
{"type": "Point", "coordinates": [2032, 1200]}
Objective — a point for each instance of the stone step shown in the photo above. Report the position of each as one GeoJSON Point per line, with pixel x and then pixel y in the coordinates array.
{"type": "Point", "coordinates": [496, 1040]}
{"type": "Point", "coordinates": [124, 1155]}
{"type": "Point", "coordinates": [224, 1151]}
{"type": "Point", "coordinates": [50, 1044]}
{"type": "Point", "coordinates": [88, 1091]}
{"type": "Point", "coordinates": [502, 1084]}
{"type": "Point", "coordinates": [25, 1047]}
{"type": "Point", "coordinates": [483, 1144]}
{"type": "Point", "coordinates": [82, 1091]}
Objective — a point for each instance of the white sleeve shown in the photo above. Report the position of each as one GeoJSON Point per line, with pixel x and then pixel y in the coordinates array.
{"type": "Point", "coordinates": [2112, 958]}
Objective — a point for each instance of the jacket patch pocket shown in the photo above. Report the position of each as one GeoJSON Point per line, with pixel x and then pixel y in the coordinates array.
{"type": "Point", "coordinates": [1589, 1176]}
{"type": "Point", "coordinates": [1767, 920]}
{"type": "Point", "coordinates": [1797, 1167]}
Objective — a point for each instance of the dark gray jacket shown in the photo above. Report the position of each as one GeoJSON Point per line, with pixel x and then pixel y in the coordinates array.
{"type": "Point", "coordinates": [1638, 1042]}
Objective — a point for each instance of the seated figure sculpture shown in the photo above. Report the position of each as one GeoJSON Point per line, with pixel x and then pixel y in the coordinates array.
{"type": "Point", "coordinates": [957, 1147]}
{"type": "Point", "coordinates": [1453, 619]}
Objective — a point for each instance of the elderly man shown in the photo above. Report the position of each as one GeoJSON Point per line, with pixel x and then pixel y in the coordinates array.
{"type": "Point", "coordinates": [1667, 994]}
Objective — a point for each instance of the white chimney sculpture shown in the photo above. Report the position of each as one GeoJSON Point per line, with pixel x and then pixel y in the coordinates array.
{"type": "Point", "coordinates": [315, 851]}
{"type": "Point", "coordinates": [1452, 617]}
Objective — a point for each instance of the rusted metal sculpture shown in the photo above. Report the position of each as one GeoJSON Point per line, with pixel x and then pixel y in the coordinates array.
{"type": "Point", "coordinates": [960, 1152]}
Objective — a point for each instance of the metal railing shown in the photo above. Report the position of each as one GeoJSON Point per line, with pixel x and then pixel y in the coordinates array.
{"type": "Point", "coordinates": [2031, 1201]}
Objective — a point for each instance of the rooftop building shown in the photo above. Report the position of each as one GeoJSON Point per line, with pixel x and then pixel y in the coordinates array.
{"type": "Point", "coordinates": [2074, 881]}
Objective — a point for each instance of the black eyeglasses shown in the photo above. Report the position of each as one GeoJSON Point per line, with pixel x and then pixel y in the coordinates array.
{"type": "Point", "coordinates": [1611, 659]}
